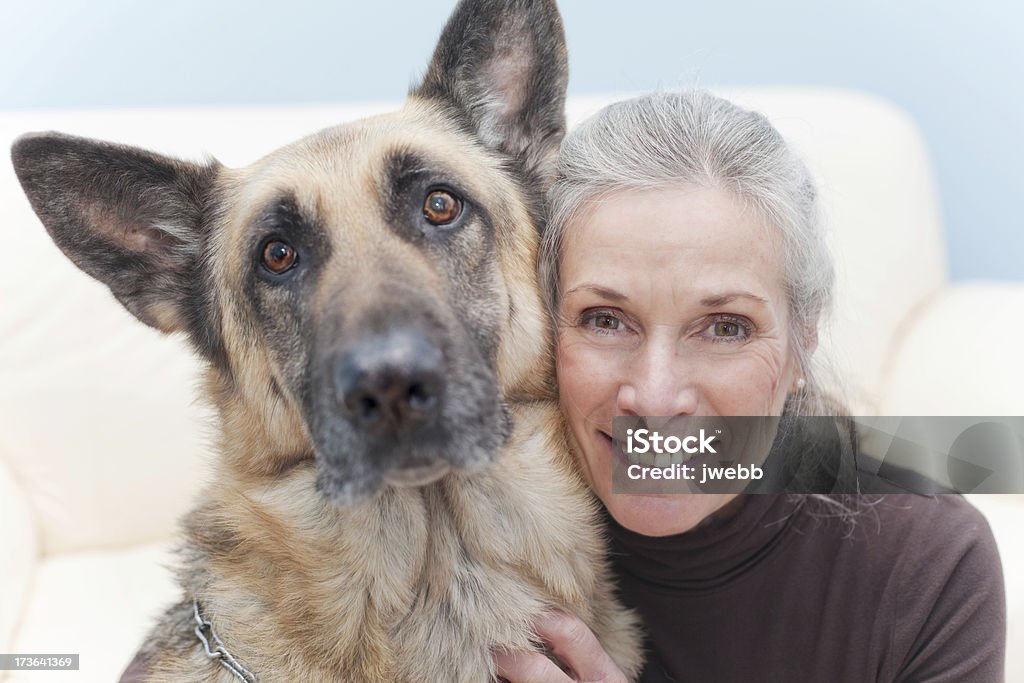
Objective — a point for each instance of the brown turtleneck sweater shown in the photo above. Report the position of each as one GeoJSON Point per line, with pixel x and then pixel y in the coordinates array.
{"type": "Point", "coordinates": [786, 591]}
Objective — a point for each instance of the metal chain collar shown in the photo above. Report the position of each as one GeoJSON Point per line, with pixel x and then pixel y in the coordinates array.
{"type": "Point", "coordinates": [204, 632]}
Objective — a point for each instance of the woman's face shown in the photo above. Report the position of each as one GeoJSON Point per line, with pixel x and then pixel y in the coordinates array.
{"type": "Point", "coordinates": [673, 303]}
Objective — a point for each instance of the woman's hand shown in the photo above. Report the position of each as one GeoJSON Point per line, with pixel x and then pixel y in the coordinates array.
{"type": "Point", "coordinates": [573, 643]}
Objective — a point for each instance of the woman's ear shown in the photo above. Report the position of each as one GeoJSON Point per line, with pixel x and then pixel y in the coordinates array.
{"type": "Point", "coordinates": [810, 340]}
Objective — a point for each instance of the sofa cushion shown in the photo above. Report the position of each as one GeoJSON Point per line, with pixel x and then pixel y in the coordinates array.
{"type": "Point", "coordinates": [99, 604]}
{"type": "Point", "coordinates": [954, 355]}
{"type": "Point", "coordinates": [17, 529]}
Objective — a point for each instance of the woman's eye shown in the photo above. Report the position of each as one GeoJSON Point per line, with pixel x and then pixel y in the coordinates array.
{"type": "Point", "coordinates": [602, 322]}
{"type": "Point", "coordinates": [727, 330]}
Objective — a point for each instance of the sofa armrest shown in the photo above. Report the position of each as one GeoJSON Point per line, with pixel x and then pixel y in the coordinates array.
{"type": "Point", "coordinates": [959, 354]}
{"type": "Point", "coordinates": [19, 556]}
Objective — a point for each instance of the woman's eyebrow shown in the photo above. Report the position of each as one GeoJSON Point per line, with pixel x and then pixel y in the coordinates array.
{"type": "Point", "coordinates": [600, 291]}
{"type": "Point", "coordinates": [716, 300]}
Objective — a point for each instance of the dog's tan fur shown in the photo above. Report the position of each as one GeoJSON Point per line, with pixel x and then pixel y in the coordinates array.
{"type": "Point", "coordinates": [410, 584]}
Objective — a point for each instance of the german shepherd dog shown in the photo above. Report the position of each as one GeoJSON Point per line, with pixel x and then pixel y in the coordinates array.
{"type": "Point", "coordinates": [393, 496]}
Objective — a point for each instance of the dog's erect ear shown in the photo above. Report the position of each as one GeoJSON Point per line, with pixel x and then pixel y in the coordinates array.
{"type": "Point", "coordinates": [129, 218]}
{"type": "Point", "coordinates": [502, 64]}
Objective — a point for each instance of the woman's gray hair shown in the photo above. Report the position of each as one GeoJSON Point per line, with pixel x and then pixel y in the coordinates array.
{"type": "Point", "coordinates": [666, 139]}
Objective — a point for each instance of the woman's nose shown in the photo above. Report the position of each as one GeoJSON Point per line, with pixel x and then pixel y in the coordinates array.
{"type": "Point", "coordinates": [658, 384]}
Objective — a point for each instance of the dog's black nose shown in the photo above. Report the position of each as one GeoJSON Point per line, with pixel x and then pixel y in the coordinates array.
{"type": "Point", "coordinates": [393, 382]}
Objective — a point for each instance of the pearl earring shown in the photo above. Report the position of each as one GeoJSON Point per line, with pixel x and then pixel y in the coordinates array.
{"type": "Point", "coordinates": [800, 384]}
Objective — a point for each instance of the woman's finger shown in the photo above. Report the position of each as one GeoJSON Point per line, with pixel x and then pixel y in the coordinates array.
{"type": "Point", "coordinates": [572, 642]}
{"type": "Point", "coordinates": [524, 666]}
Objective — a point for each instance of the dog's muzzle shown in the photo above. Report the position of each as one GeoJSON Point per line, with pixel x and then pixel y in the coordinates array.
{"type": "Point", "coordinates": [402, 403]}
{"type": "Point", "coordinates": [391, 383]}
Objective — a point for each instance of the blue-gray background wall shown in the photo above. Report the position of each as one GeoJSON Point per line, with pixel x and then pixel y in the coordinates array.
{"type": "Point", "coordinates": [955, 66]}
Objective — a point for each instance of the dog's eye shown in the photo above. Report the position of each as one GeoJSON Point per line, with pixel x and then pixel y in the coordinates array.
{"type": "Point", "coordinates": [441, 208]}
{"type": "Point", "coordinates": [279, 257]}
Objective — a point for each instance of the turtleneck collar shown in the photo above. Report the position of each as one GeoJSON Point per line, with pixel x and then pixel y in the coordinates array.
{"type": "Point", "coordinates": [708, 556]}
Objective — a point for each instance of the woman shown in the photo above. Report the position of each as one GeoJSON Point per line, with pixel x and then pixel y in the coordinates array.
{"type": "Point", "coordinates": [687, 273]}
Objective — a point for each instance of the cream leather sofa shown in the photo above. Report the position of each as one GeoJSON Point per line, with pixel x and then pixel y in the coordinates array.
{"type": "Point", "coordinates": [102, 440]}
